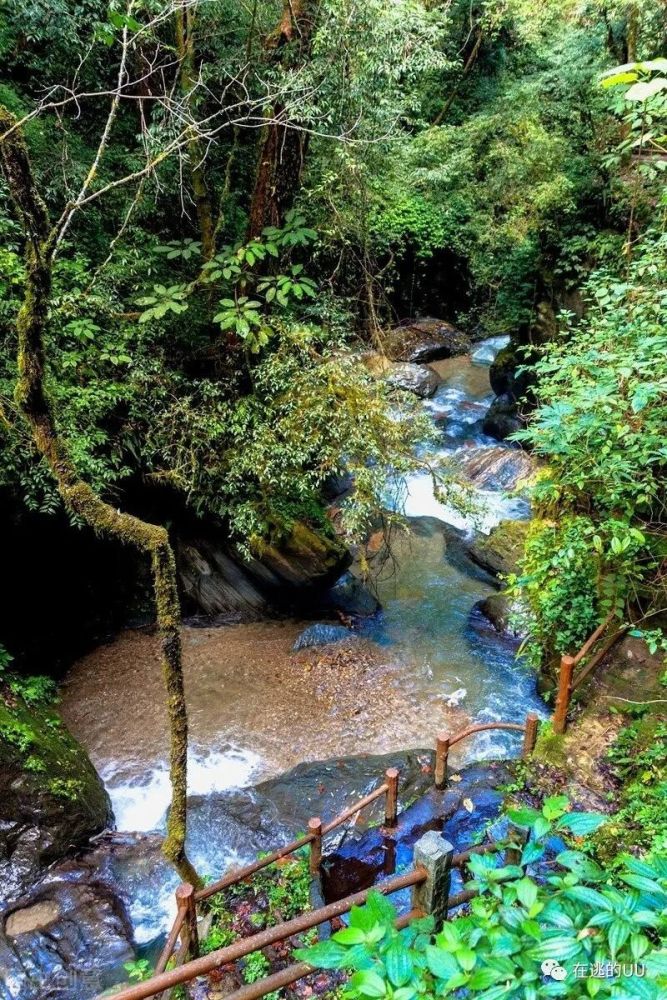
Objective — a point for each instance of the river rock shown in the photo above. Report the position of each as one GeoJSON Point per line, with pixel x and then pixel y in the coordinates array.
{"type": "Point", "coordinates": [67, 940]}
{"type": "Point", "coordinates": [496, 468]}
{"type": "Point", "coordinates": [499, 551]}
{"type": "Point", "coordinates": [273, 812]}
{"type": "Point", "coordinates": [353, 597]}
{"type": "Point", "coordinates": [322, 634]}
{"type": "Point", "coordinates": [461, 812]}
{"type": "Point", "coordinates": [502, 418]}
{"type": "Point", "coordinates": [219, 582]}
{"type": "Point", "coordinates": [425, 340]}
{"type": "Point", "coordinates": [418, 379]}
{"type": "Point", "coordinates": [497, 609]}
{"type": "Point", "coordinates": [51, 798]}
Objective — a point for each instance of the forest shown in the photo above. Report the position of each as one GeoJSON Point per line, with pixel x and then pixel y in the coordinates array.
{"type": "Point", "coordinates": [333, 423]}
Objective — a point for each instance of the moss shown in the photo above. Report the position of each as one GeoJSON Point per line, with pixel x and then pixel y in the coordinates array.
{"type": "Point", "coordinates": [500, 550]}
{"type": "Point", "coordinates": [33, 401]}
{"type": "Point", "coordinates": [550, 746]}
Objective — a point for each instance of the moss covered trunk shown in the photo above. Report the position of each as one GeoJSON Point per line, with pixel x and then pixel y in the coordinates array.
{"type": "Point", "coordinates": [78, 496]}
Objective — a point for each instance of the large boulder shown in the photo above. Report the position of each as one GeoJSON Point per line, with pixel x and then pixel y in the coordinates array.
{"type": "Point", "coordinates": [502, 418]}
{"type": "Point", "coordinates": [425, 340]}
{"type": "Point", "coordinates": [219, 582]}
{"type": "Point", "coordinates": [51, 798]}
{"type": "Point", "coordinates": [499, 552]}
{"type": "Point", "coordinates": [498, 467]}
{"type": "Point", "coordinates": [274, 811]}
{"type": "Point", "coordinates": [67, 940]}
{"type": "Point", "coordinates": [418, 379]}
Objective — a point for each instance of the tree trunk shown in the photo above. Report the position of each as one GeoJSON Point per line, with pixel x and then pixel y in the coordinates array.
{"type": "Point", "coordinates": [283, 145]}
{"type": "Point", "coordinates": [185, 20]}
{"type": "Point", "coordinates": [632, 33]}
{"type": "Point", "coordinates": [77, 495]}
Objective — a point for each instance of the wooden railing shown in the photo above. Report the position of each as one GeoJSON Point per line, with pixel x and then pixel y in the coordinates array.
{"type": "Point", "coordinates": [189, 964]}
{"type": "Point", "coordinates": [568, 682]}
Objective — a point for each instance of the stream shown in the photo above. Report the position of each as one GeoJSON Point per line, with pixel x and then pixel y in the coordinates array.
{"type": "Point", "coordinates": [426, 662]}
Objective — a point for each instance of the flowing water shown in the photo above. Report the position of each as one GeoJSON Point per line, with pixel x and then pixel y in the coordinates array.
{"type": "Point", "coordinates": [425, 663]}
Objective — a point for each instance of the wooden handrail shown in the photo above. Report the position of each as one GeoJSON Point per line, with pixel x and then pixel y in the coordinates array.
{"type": "Point", "coordinates": [170, 943]}
{"type": "Point", "coordinates": [518, 727]}
{"type": "Point", "coordinates": [593, 638]}
{"type": "Point", "coordinates": [568, 683]}
{"type": "Point", "coordinates": [239, 949]}
{"type": "Point", "coordinates": [444, 743]}
{"type": "Point", "coordinates": [600, 655]}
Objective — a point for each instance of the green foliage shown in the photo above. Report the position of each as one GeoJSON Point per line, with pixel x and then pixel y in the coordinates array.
{"type": "Point", "coordinates": [572, 915]}
{"type": "Point", "coordinates": [163, 301]}
{"type": "Point", "coordinates": [138, 970]}
{"type": "Point", "coordinates": [639, 761]}
{"type": "Point", "coordinates": [255, 967]}
{"type": "Point", "coordinates": [600, 425]}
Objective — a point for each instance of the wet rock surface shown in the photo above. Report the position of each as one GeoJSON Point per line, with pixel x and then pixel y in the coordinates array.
{"type": "Point", "coordinates": [461, 812]}
{"type": "Point", "coordinates": [321, 634]}
{"type": "Point", "coordinates": [51, 798]}
{"type": "Point", "coordinates": [350, 595]}
{"type": "Point", "coordinates": [496, 468]}
{"type": "Point", "coordinates": [275, 811]}
{"type": "Point", "coordinates": [219, 582]}
{"type": "Point", "coordinates": [418, 379]}
{"type": "Point", "coordinates": [67, 940]}
{"type": "Point", "coordinates": [495, 611]}
{"type": "Point", "coordinates": [502, 418]}
{"type": "Point", "coordinates": [425, 340]}
{"type": "Point", "coordinates": [499, 551]}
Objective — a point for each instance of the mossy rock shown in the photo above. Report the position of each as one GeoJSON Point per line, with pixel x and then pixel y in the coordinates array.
{"type": "Point", "coordinates": [51, 798]}
{"type": "Point", "coordinates": [499, 552]}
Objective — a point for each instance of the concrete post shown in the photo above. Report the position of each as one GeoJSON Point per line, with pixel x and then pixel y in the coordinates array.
{"type": "Point", "coordinates": [435, 854]}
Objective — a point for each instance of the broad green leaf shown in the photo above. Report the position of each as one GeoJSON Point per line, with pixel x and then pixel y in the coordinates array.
{"type": "Point", "coordinates": [580, 823]}
{"type": "Point", "coordinates": [642, 91]}
{"type": "Point", "coordinates": [398, 963]}
{"type": "Point", "coordinates": [441, 964]}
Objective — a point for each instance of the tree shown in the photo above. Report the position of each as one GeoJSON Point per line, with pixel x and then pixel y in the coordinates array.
{"type": "Point", "coordinates": [41, 239]}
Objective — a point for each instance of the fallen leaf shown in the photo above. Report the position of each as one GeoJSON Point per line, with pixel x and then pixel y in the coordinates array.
{"type": "Point", "coordinates": [467, 804]}
{"type": "Point", "coordinates": [455, 777]}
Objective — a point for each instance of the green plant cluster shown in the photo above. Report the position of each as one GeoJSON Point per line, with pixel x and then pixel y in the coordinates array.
{"type": "Point", "coordinates": [639, 761]}
{"type": "Point", "coordinates": [568, 913]}
{"type": "Point", "coordinates": [600, 540]}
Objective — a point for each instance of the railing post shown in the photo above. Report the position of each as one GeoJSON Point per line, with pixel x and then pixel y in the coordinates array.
{"type": "Point", "coordinates": [564, 694]}
{"type": "Point", "coordinates": [315, 827]}
{"type": "Point", "coordinates": [185, 899]}
{"type": "Point", "coordinates": [441, 758]}
{"type": "Point", "coordinates": [435, 854]}
{"type": "Point", "coordinates": [519, 838]}
{"type": "Point", "coordinates": [530, 734]}
{"type": "Point", "coordinates": [391, 801]}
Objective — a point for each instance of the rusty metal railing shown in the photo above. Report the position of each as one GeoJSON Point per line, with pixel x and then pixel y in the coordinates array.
{"type": "Point", "coordinates": [184, 928]}
{"type": "Point", "coordinates": [187, 898]}
{"type": "Point", "coordinates": [444, 743]}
